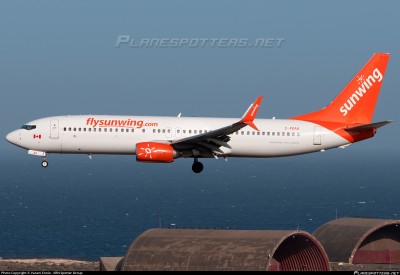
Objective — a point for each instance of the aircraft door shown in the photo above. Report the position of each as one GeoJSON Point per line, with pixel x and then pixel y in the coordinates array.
{"type": "Point", "coordinates": [54, 129]}
{"type": "Point", "coordinates": [317, 135]}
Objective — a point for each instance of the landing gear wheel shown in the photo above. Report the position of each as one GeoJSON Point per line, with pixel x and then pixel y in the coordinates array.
{"type": "Point", "coordinates": [45, 164]}
{"type": "Point", "coordinates": [197, 167]}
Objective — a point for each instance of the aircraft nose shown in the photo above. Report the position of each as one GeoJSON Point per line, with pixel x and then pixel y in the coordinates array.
{"type": "Point", "coordinates": [12, 137]}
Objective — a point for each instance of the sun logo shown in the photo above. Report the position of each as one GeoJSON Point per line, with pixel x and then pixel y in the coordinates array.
{"type": "Point", "coordinates": [147, 151]}
{"type": "Point", "coordinates": [360, 79]}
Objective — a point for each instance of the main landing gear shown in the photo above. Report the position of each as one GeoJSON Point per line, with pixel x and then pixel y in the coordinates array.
{"type": "Point", "coordinates": [197, 166]}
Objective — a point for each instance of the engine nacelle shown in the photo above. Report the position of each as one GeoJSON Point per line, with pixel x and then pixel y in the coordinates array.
{"type": "Point", "coordinates": [154, 152]}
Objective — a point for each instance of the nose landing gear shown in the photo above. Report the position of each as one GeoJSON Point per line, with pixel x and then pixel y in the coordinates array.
{"type": "Point", "coordinates": [197, 166]}
{"type": "Point", "coordinates": [40, 154]}
{"type": "Point", "coordinates": [45, 163]}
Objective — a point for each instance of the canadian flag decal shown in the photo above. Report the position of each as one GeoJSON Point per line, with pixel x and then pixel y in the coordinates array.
{"type": "Point", "coordinates": [37, 136]}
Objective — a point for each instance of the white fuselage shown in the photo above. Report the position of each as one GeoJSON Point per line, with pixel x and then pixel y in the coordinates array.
{"type": "Point", "coordinates": [90, 134]}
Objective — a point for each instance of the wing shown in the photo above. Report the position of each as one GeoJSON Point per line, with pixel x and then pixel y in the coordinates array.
{"type": "Point", "coordinates": [209, 143]}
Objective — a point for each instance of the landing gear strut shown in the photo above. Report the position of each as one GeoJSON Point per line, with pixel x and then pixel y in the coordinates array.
{"type": "Point", "coordinates": [45, 163]}
{"type": "Point", "coordinates": [197, 166]}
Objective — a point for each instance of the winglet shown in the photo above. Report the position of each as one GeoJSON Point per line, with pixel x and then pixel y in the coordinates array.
{"type": "Point", "coordinates": [251, 113]}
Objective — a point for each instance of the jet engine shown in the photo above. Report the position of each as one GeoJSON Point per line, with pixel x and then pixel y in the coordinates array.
{"type": "Point", "coordinates": [154, 152]}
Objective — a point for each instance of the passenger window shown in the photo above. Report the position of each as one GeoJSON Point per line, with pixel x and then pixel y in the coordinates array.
{"type": "Point", "coordinates": [94, 129]}
{"type": "Point", "coordinates": [74, 129]}
{"type": "Point", "coordinates": [79, 129]}
{"type": "Point", "coordinates": [273, 133]}
{"type": "Point", "coordinates": [178, 131]}
{"type": "Point", "coordinates": [200, 131]}
{"type": "Point", "coordinates": [288, 134]}
{"type": "Point", "coordinates": [90, 129]}
{"type": "Point", "coordinates": [159, 131]}
{"type": "Point", "coordinates": [105, 129]}
{"type": "Point", "coordinates": [278, 134]}
{"type": "Point", "coordinates": [163, 131]}
{"type": "Point", "coordinates": [195, 131]}
{"type": "Point", "coordinates": [283, 134]}
{"type": "Point", "coordinates": [298, 134]}
{"type": "Point", "coordinates": [143, 130]}
{"type": "Point", "coordinates": [99, 129]}
{"type": "Point", "coordinates": [69, 129]}
{"type": "Point", "coordinates": [248, 133]}
{"type": "Point", "coordinates": [122, 130]}
{"type": "Point", "coordinates": [263, 133]}
{"type": "Point", "coordinates": [132, 130]}
{"type": "Point", "coordinates": [190, 131]}
{"type": "Point", "coordinates": [258, 133]}
{"type": "Point", "coordinates": [84, 129]}
{"type": "Point", "coordinates": [253, 133]}
{"type": "Point", "coordinates": [242, 133]}
{"type": "Point", "coordinates": [65, 129]}
{"type": "Point", "coordinates": [184, 131]}
{"type": "Point", "coordinates": [268, 133]}
{"type": "Point", "coordinates": [110, 129]}
{"type": "Point", "coordinates": [169, 131]}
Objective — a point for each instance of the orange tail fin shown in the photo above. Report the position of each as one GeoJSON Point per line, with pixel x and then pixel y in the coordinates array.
{"type": "Point", "coordinates": [356, 102]}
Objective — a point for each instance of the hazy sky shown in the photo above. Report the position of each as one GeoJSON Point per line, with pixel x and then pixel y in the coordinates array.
{"type": "Point", "coordinates": [60, 57]}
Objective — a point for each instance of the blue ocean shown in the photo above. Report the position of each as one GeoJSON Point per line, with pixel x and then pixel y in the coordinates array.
{"type": "Point", "coordinates": [84, 209]}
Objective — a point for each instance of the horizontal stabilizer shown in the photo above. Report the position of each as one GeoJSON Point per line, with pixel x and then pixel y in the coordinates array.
{"type": "Point", "coordinates": [367, 127]}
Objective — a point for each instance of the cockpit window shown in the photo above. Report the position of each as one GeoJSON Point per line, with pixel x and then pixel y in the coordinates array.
{"type": "Point", "coordinates": [28, 127]}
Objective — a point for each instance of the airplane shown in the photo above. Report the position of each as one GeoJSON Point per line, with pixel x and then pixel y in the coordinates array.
{"type": "Point", "coordinates": [153, 139]}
